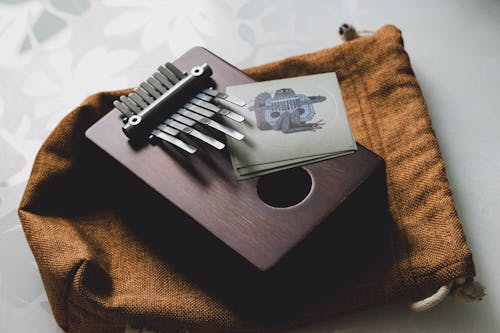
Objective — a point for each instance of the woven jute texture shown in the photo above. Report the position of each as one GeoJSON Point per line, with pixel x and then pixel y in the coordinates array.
{"type": "Point", "coordinates": [89, 223]}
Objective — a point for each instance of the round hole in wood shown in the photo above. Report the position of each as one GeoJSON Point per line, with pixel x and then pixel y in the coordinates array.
{"type": "Point", "coordinates": [284, 188]}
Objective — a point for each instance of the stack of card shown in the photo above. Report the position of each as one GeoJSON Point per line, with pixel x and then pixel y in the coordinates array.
{"type": "Point", "coordinates": [288, 123]}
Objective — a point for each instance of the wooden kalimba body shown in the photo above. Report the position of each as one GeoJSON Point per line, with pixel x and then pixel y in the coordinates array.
{"type": "Point", "coordinates": [263, 218]}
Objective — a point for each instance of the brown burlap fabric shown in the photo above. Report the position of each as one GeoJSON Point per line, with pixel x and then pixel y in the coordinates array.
{"type": "Point", "coordinates": [108, 256]}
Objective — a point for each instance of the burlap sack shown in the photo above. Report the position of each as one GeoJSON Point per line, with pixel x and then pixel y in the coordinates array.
{"type": "Point", "coordinates": [89, 222]}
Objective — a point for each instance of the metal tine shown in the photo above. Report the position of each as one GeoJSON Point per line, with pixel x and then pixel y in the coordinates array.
{"type": "Point", "coordinates": [197, 134]}
{"type": "Point", "coordinates": [205, 104]}
{"type": "Point", "coordinates": [204, 97]}
{"type": "Point", "coordinates": [198, 109]}
{"type": "Point", "coordinates": [169, 74]}
{"type": "Point", "coordinates": [211, 92]}
{"type": "Point", "coordinates": [123, 109]}
{"type": "Point", "coordinates": [176, 71]}
{"type": "Point", "coordinates": [173, 140]}
{"type": "Point", "coordinates": [138, 100]}
{"type": "Point", "coordinates": [231, 99]}
{"type": "Point", "coordinates": [212, 123]}
{"type": "Point", "coordinates": [164, 80]}
{"type": "Point", "coordinates": [144, 95]}
{"type": "Point", "coordinates": [186, 121]}
{"type": "Point", "coordinates": [170, 131]}
{"type": "Point", "coordinates": [232, 115]}
{"type": "Point", "coordinates": [157, 84]}
{"type": "Point", "coordinates": [214, 108]}
{"type": "Point", "coordinates": [225, 112]}
{"type": "Point", "coordinates": [130, 104]}
{"type": "Point", "coordinates": [150, 89]}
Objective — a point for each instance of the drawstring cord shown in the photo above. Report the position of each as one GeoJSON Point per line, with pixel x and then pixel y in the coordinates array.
{"type": "Point", "coordinates": [462, 289]}
{"type": "Point", "coordinates": [347, 32]}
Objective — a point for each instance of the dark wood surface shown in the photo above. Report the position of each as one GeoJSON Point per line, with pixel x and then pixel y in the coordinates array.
{"type": "Point", "coordinates": [204, 186]}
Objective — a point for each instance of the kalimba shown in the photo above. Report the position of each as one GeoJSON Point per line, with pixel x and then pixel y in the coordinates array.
{"type": "Point", "coordinates": [261, 219]}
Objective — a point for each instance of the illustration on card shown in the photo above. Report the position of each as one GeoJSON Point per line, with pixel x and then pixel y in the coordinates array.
{"type": "Point", "coordinates": [286, 111]}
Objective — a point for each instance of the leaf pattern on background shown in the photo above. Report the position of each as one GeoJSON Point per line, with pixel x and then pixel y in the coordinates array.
{"type": "Point", "coordinates": [1, 107]}
{"type": "Point", "coordinates": [68, 82]}
{"type": "Point", "coordinates": [25, 24]}
{"type": "Point", "coordinates": [19, 150]}
{"type": "Point", "coordinates": [180, 27]}
{"type": "Point", "coordinates": [73, 7]}
{"type": "Point", "coordinates": [13, 32]}
{"type": "Point", "coordinates": [23, 302]}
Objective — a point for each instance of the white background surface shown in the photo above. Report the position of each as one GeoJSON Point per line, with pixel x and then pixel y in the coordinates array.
{"type": "Point", "coordinates": [54, 53]}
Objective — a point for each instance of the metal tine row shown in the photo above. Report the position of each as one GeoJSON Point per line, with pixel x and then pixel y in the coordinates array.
{"type": "Point", "coordinates": [202, 112]}
{"type": "Point", "coordinates": [185, 118]}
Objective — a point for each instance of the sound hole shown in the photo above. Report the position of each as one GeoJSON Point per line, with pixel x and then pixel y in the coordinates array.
{"type": "Point", "coordinates": [284, 188]}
